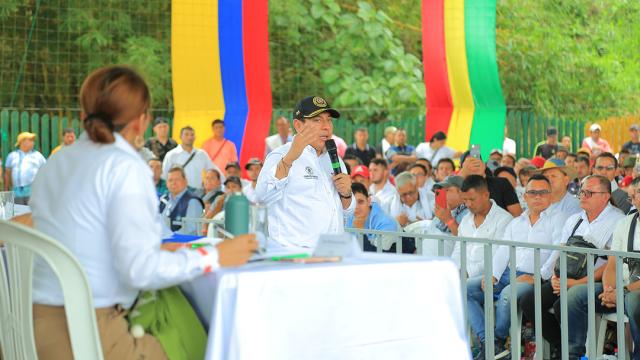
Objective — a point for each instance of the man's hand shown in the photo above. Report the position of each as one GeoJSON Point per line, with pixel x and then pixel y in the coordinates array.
{"type": "Point", "coordinates": [236, 251]}
{"type": "Point", "coordinates": [482, 283]}
{"type": "Point", "coordinates": [305, 137]}
{"type": "Point", "coordinates": [472, 166]}
{"type": "Point", "coordinates": [526, 278]}
{"type": "Point", "coordinates": [608, 297]}
{"type": "Point", "coordinates": [444, 214]}
{"type": "Point", "coordinates": [402, 219]}
{"type": "Point", "coordinates": [342, 182]}
{"type": "Point", "coordinates": [555, 283]}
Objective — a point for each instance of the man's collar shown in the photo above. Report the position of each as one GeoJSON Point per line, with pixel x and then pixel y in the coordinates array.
{"type": "Point", "coordinates": [178, 196]}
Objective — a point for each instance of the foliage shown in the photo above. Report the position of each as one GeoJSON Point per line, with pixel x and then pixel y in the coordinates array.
{"type": "Point", "coordinates": [352, 58]}
{"type": "Point", "coordinates": [570, 58]}
{"type": "Point", "coordinates": [558, 58]}
{"type": "Point", "coordinates": [73, 37]}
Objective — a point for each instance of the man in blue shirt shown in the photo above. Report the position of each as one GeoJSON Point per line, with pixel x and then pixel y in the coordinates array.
{"type": "Point", "coordinates": [21, 167]}
{"type": "Point", "coordinates": [400, 155]}
{"type": "Point", "coordinates": [369, 215]}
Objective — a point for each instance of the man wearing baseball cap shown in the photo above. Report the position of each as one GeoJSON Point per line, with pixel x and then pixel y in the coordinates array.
{"type": "Point", "coordinates": [161, 143]}
{"type": "Point", "coordinates": [304, 195]}
{"type": "Point", "coordinates": [633, 145]}
{"type": "Point", "coordinates": [550, 146]}
{"type": "Point", "coordinates": [360, 174]}
{"type": "Point", "coordinates": [253, 167]}
{"type": "Point", "coordinates": [594, 142]}
{"type": "Point", "coordinates": [21, 167]}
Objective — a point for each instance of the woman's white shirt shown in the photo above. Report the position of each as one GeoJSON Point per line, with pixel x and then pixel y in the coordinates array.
{"type": "Point", "coordinates": [99, 202]}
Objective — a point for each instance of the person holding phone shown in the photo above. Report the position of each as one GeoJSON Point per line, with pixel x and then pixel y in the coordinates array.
{"type": "Point", "coordinates": [500, 190]}
{"type": "Point", "coordinates": [449, 209]}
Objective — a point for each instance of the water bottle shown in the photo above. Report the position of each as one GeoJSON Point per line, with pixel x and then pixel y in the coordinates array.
{"type": "Point", "coordinates": [236, 213]}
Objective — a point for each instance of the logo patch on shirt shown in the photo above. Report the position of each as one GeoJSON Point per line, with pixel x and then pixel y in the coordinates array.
{"type": "Point", "coordinates": [309, 173]}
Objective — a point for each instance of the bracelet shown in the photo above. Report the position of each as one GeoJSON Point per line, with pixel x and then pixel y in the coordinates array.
{"type": "Point", "coordinates": [345, 197]}
{"type": "Point", "coordinates": [451, 222]}
{"type": "Point", "coordinates": [285, 163]}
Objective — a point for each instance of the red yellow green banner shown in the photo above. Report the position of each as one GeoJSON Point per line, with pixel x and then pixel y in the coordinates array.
{"type": "Point", "coordinates": [464, 95]}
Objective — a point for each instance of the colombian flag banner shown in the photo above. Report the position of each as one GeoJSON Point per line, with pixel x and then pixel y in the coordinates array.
{"type": "Point", "coordinates": [220, 70]}
{"type": "Point", "coordinates": [464, 96]}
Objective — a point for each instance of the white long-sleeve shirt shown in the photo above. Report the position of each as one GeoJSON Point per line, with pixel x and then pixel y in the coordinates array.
{"type": "Point", "coordinates": [305, 203]}
{"type": "Point", "coordinates": [547, 231]}
{"type": "Point", "coordinates": [492, 227]}
{"type": "Point", "coordinates": [201, 162]}
{"type": "Point", "coordinates": [100, 203]}
{"type": "Point", "coordinates": [569, 205]}
{"type": "Point", "coordinates": [384, 197]}
{"type": "Point", "coordinates": [599, 232]}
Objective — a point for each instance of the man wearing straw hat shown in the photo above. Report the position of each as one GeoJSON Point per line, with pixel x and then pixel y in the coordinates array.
{"type": "Point", "coordinates": [22, 166]}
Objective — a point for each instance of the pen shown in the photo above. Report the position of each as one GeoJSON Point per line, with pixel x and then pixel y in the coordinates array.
{"type": "Point", "coordinates": [229, 235]}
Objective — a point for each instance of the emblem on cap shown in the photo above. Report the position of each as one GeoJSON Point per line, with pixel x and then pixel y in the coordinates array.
{"type": "Point", "coordinates": [320, 102]}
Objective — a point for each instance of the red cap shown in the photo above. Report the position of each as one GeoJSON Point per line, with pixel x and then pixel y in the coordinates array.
{"type": "Point", "coordinates": [626, 181]}
{"type": "Point", "coordinates": [538, 162]}
{"type": "Point", "coordinates": [360, 170]}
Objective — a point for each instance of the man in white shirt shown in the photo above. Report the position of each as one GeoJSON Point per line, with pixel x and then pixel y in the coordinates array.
{"type": "Point", "coordinates": [422, 171]}
{"type": "Point", "coordinates": [538, 224]}
{"type": "Point", "coordinates": [625, 233]}
{"type": "Point", "coordinates": [607, 165]}
{"type": "Point", "coordinates": [253, 167]}
{"type": "Point", "coordinates": [281, 137]}
{"type": "Point", "coordinates": [22, 166]}
{"type": "Point", "coordinates": [485, 220]}
{"type": "Point", "coordinates": [381, 190]}
{"type": "Point", "coordinates": [435, 149]}
{"type": "Point", "coordinates": [411, 204]}
{"type": "Point", "coordinates": [193, 161]}
{"type": "Point", "coordinates": [304, 195]}
{"type": "Point", "coordinates": [560, 176]}
{"type": "Point", "coordinates": [595, 224]}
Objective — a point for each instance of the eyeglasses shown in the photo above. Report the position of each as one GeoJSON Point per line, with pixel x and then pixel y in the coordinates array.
{"type": "Point", "coordinates": [608, 168]}
{"type": "Point", "coordinates": [534, 193]}
{"type": "Point", "coordinates": [408, 193]}
{"type": "Point", "coordinates": [588, 193]}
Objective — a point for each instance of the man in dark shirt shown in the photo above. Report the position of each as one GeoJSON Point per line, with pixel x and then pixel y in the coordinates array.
{"type": "Point", "coordinates": [500, 190]}
{"type": "Point", "coordinates": [550, 147]}
{"type": "Point", "coordinates": [633, 146]}
{"type": "Point", "coordinates": [360, 148]}
{"type": "Point", "coordinates": [161, 143]}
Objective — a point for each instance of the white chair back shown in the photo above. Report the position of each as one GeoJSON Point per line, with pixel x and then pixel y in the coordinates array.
{"type": "Point", "coordinates": [16, 273]}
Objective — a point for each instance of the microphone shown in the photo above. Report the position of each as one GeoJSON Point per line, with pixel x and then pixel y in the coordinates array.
{"type": "Point", "coordinates": [333, 155]}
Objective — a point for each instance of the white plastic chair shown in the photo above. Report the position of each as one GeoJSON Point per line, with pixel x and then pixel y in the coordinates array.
{"type": "Point", "coordinates": [601, 326]}
{"type": "Point", "coordinates": [16, 316]}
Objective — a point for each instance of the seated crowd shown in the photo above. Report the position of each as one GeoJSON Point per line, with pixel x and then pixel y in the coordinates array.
{"type": "Point", "coordinates": [433, 189]}
{"type": "Point", "coordinates": [558, 195]}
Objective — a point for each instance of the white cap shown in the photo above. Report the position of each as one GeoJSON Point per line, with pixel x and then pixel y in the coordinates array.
{"type": "Point", "coordinates": [595, 127]}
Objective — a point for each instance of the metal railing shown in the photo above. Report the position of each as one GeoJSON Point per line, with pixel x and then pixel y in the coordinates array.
{"type": "Point", "coordinates": [375, 236]}
{"type": "Point", "coordinates": [199, 221]}
{"type": "Point", "coordinates": [488, 278]}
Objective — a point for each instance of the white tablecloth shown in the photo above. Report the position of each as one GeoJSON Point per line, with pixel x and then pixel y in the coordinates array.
{"type": "Point", "coordinates": [379, 306]}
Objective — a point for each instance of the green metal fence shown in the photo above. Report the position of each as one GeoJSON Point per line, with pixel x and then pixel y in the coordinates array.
{"type": "Point", "coordinates": [526, 128]}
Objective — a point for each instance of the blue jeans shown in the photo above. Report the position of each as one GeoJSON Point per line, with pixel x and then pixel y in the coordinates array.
{"type": "Point", "coordinates": [577, 316]}
{"type": "Point", "coordinates": [502, 298]}
{"type": "Point", "coordinates": [577, 312]}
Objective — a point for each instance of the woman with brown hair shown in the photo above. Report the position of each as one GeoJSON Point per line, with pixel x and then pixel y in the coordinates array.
{"type": "Point", "coordinates": [98, 199]}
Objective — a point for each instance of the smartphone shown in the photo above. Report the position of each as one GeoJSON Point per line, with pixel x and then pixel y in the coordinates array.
{"type": "Point", "coordinates": [441, 198]}
{"type": "Point", "coordinates": [475, 151]}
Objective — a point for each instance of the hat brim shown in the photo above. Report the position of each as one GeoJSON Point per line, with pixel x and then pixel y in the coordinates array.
{"type": "Point", "coordinates": [248, 165]}
{"type": "Point", "coordinates": [32, 137]}
{"type": "Point", "coordinates": [568, 170]}
{"type": "Point", "coordinates": [333, 112]}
